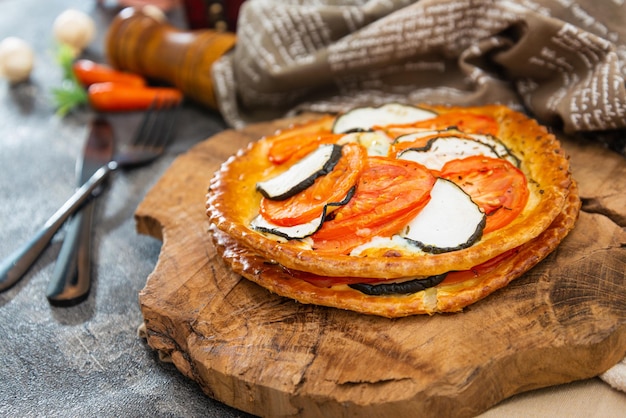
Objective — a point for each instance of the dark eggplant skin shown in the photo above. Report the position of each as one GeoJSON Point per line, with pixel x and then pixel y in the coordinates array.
{"type": "Point", "coordinates": [428, 144]}
{"type": "Point", "coordinates": [512, 158]}
{"type": "Point", "coordinates": [432, 141]}
{"type": "Point", "coordinates": [308, 182]}
{"type": "Point", "coordinates": [356, 131]}
{"type": "Point", "coordinates": [279, 233]}
{"type": "Point", "coordinates": [404, 288]}
{"type": "Point", "coordinates": [438, 250]}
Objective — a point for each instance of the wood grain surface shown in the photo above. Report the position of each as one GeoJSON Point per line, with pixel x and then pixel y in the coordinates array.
{"type": "Point", "coordinates": [564, 320]}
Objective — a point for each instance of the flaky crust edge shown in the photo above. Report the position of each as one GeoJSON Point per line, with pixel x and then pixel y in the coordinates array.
{"type": "Point", "coordinates": [439, 299]}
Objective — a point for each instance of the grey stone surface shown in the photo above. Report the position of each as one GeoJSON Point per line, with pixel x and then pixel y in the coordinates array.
{"type": "Point", "coordinates": [85, 360]}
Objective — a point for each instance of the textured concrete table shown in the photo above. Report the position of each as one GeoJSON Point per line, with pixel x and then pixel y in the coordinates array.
{"type": "Point", "coordinates": [87, 360]}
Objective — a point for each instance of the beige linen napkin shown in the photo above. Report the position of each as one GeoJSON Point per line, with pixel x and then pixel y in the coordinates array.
{"type": "Point", "coordinates": [563, 61]}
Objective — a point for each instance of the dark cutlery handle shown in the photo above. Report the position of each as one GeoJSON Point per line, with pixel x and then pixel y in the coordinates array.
{"type": "Point", "coordinates": [16, 264]}
{"type": "Point", "coordinates": [71, 278]}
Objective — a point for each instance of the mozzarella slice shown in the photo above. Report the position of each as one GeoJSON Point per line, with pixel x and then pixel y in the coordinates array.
{"type": "Point", "coordinates": [440, 150]}
{"type": "Point", "coordinates": [450, 220]}
{"type": "Point", "coordinates": [365, 118]}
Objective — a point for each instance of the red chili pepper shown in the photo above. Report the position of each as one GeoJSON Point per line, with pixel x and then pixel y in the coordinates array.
{"type": "Point", "coordinates": [89, 72]}
{"type": "Point", "coordinates": [113, 97]}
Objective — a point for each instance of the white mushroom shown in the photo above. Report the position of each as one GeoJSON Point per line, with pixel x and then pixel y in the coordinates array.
{"type": "Point", "coordinates": [16, 59]}
{"type": "Point", "coordinates": [75, 29]}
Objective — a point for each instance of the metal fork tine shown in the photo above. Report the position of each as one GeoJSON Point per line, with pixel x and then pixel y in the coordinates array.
{"type": "Point", "coordinates": [157, 125]}
{"type": "Point", "coordinates": [169, 121]}
{"type": "Point", "coordinates": [143, 132]}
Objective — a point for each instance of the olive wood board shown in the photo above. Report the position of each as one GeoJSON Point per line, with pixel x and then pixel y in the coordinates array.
{"type": "Point", "coordinates": [564, 320]}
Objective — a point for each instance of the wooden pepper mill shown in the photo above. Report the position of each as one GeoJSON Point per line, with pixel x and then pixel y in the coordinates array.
{"type": "Point", "coordinates": [143, 44]}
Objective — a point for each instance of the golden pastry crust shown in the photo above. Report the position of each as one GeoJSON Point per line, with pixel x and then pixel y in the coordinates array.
{"type": "Point", "coordinates": [441, 298]}
{"type": "Point", "coordinates": [233, 203]}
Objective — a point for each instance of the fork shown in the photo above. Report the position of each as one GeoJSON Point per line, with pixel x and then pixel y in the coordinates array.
{"type": "Point", "coordinates": [152, 137]}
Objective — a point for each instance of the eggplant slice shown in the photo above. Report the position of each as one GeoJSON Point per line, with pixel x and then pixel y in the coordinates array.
{"type": "Point", "coordinates": [440, 150]}
{"type": "Point", "coordinates": [420, 133]}
{"type": "Point", "coordinates": [399, 288]}
{"type": "Point", "coordinates": [298, 231]}
{"type": "Point", "coordinates": [365, 118]}
{"type": "Point", "coordinates": [502, 150]}
{"type": "Point", "coordinates": [450, 221]}
{"type": "Point", "coordinates": [288, 232]}
{"type": "Point", "coordinates": [302, 174]}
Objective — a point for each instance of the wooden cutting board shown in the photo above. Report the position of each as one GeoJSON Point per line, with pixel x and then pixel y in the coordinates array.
{"type": "Point", "coordinates": [564, 320]}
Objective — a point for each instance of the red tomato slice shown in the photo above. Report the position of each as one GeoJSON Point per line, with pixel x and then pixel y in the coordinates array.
{"type": "Point", "coordinates": [296, 150]}
{"type": "Point", "coordinates": [479, 270]}
{"type": "Point", "coordinates": [389, 194]}
{"type": "Point", "coordinates": [464, 121]}
{"type": "Point", "coordinates": [497, 186]}
{"type": "Point", "coordinates": [332, 187]}
{"type": "Point", "coordinates": [328, 281]}
{"type": "Point", "coordinates": [284, 145]}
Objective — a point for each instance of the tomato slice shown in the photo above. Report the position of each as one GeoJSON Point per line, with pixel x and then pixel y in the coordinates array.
{"type": "Point", "coordinates": [296, 150]}
{"type": "Point", "coordinates": [497, 186]}
{"type": "Point", "coordinates": [389, 194]}
{"type": "Point", "coordinates": [327, 281]}
{"type": "Point", "coordinates": [463, 120]}
{"type": "Point", "coordinates": [285, 145]}
{"type": "Point", "coordinates": [479, 270]}
{"type": "Point", "coordinates": [330, 188]}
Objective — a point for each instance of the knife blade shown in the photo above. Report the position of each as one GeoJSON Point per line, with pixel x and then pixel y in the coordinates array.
{"type": "Point", "coordinates": [71, 279]}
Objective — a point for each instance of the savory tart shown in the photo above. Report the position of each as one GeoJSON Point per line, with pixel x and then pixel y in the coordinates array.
{"type": "Point", "coordinates": [394, 210]}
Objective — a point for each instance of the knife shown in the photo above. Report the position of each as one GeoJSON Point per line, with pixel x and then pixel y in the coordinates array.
{"type": "Point", "coordinates": [71, 278]}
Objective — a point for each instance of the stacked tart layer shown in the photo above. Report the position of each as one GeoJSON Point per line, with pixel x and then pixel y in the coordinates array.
{"type": "Point", "coordinates": [394, 210]}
